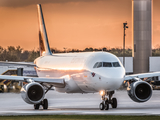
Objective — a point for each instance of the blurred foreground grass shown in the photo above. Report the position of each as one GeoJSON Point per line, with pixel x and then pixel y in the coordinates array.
{"type": "Point", "coordinates": [79, 117]}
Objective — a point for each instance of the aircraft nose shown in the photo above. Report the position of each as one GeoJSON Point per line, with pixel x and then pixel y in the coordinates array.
{"type": "Point", "coordinates": [113, 79]}
{"type": "Point", "coordinates": [113, 74]}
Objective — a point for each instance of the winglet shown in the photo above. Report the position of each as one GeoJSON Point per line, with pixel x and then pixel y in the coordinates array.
{"type": "Point", "coordinates": [43, 39]}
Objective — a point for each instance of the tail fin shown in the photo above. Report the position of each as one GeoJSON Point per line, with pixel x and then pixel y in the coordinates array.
{"type": "Point", "coordinates": [43, 39]}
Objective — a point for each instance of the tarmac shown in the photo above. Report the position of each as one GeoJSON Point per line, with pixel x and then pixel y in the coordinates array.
{"type": "Point", "coordinates": [79, 104]}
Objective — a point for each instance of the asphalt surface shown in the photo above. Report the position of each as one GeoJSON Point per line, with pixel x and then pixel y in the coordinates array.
{"type": "Point", "coordinates": [70, 104]}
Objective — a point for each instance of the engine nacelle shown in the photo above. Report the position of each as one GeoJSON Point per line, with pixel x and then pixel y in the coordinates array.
{"type": "Point", "coordinates": [33, 93]}
{"type": "Point", "coordinates": [139, 91]}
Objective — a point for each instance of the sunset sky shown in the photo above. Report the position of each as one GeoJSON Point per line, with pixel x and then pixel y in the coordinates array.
{"type": "Point", "coordinates": [71, 23]}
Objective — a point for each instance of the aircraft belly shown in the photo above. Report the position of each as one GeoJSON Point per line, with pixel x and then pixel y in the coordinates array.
{"type": "Point", "coordinates": [82, 80]}
{"type": "Point", "coordinates": [70, 87]}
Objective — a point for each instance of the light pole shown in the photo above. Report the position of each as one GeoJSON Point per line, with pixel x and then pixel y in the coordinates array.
{"type": "Point", "coordinates": [124, 26]}
{"type": "Point", "coordinates": [65, 50]}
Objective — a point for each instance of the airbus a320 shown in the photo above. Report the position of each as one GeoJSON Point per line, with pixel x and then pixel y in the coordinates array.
{"type": "Point", "coordinates": [87, 72]}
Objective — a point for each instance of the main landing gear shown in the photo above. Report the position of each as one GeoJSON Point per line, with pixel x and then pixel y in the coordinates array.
{"type": "Point", "coordinates": [104, 105]}
{"type": "Point", "coordinates": [44, 103]}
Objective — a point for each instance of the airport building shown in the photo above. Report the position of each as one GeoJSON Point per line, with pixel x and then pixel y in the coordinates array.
{"type": "Point", "coordinates": [154, 64]}
{"type": "Point", "coordinates": [28, 67]}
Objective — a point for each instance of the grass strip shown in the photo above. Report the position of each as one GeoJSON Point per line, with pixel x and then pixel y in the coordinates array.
{"type": "Point", "coordinates": [79, 117]}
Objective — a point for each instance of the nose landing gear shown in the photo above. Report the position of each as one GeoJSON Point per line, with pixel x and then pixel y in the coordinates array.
{"type": "Point", "coordinates": [104, 105]}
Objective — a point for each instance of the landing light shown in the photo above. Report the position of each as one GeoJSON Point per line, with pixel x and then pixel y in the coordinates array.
{"type": "Point", "coordinates": [102, 93]}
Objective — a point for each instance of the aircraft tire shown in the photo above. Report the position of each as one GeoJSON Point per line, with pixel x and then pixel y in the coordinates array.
{"type": "Point", "coordinates": [36, 106]}
{"type": "Point", "coordinates": [45, 104]}
{"type": "Point", "coordinates": [114, 103]}
{"type": "Point", "coordinates": [106, 105]}
{"type": "Point", "coordinates": [101, 106]}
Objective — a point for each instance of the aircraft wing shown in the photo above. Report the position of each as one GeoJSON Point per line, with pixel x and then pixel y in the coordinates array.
{"type": "Point", "coordinates": [17, 63]}
{"type": "Point", "coordinates": [142, 75]}
{"type": "Point", "coordinates": [57, 82]}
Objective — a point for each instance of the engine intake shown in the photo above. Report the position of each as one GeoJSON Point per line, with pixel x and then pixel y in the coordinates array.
{"type": "Point", "coordinates": [139, 91]}
{"type": "Point", "coordinates": [32, 93]}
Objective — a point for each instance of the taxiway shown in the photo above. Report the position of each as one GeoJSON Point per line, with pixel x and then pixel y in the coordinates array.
{"type": "Point", "coordinates": [68, 104]}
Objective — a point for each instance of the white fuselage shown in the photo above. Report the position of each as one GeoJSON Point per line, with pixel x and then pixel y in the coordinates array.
{"type": "Point", "coordinates": [79, 73]}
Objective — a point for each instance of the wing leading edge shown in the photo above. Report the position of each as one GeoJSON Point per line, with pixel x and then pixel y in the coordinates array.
{"type": "Point", "coordinates": [56, 82]}
{"type": "Point", "coordinates": [142, 75]}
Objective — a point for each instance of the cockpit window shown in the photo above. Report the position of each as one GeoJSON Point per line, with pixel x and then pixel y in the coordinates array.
{"type": "Point", "coordinates": [99, 64]}
{"type": "Point", "coordinates": [95, 66]}
{"type": "Point", "coordinates": [107, 64]}
{"type": "Point", "coordinates": [116, 64]}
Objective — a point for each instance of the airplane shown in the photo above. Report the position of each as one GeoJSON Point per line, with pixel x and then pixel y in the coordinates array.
{"type": "Point", "coordinates": [87, 72]}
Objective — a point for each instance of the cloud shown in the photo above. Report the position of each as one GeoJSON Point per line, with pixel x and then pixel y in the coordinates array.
{"type": "Point", "coordinates": [21, 3]}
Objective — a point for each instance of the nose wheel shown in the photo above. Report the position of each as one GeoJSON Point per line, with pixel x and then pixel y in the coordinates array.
{"type": "Point", "coordinates": [114, 103]}
{"type": "Point", "coordinates": [106, 100]}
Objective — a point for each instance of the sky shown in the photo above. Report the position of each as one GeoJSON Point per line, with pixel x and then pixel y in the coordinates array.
{"type": "Point", "coordinates": [71, 23]}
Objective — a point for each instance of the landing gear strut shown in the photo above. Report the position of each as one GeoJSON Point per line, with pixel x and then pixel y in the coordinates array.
{"type": "Point", "coordinates": [104, 105]}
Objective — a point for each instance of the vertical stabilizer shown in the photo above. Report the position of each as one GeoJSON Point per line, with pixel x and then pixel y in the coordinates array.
{"type": "Point", "coordinates": [43, 39]}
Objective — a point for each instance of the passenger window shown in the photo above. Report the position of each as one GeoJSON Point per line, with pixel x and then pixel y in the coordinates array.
{"type": "Point", "coordinates": [116, 64]}
{"type": "Point", "coordinates": [107, 64]}
{"type": "Point", "coordinates": [99, 64]}
{"type": "Point", "coordinates": [95, 66]}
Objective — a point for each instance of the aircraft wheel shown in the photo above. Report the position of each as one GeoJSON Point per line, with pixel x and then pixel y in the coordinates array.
{"type": "Point", "coordinates": [45, 104]}
{"type": "Point", "coordinates": [106, 105]}
{"type": "Point", "coordinates": [101, 106]}
{"type": "Point", "coordinates": [114, 103]}
{"type": "Point", "coordinates": [36, 106]}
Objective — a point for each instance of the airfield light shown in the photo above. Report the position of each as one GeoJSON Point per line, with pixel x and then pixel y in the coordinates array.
{"type": "Point", "coordinates": [124, 26]}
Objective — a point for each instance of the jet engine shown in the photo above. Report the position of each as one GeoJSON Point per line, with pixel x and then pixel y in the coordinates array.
{"type": "Point", "coordinates": [33, 93]}
{"type": "Point", "coordinates": [139, 91]}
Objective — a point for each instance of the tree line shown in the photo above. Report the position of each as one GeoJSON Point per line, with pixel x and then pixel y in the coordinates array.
{"type": "Point", "coordinates": [18, 54]}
